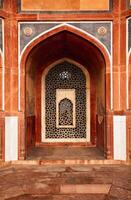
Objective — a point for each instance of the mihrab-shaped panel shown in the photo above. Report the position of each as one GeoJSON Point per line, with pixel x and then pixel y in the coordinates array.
{"type": "Point", "coordinates": [71, 90]}
{"type": "Point", "coordinates": [65, 108]}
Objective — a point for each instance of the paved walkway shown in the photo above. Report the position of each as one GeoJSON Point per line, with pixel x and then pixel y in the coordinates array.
{"type": "Point", "coordinates": [56, 182]}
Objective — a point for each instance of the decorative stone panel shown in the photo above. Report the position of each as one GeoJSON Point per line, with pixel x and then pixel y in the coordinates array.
{"type": "Point", "coordinates": [29, 31]}
{"type": "Point", "coordinates": [65, 108]}
{"type": "Point", "coordinates": [35, 28]}
{"type": "Point", "coordinates": [76, 82]}
{"type": "Point", "coordinates": [94, 29]}
{"type": "Point", "coordinates": [119, 137]}
{"type": "Point", "coordinates": [64, 6]}
{"type": "Point", "coordinates": [11, 138]}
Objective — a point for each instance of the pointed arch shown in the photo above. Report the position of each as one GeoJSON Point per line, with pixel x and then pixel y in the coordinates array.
{"type": "Point", "coordinates": [94, 59]}
{"type": "Point", "coordinates": [65, 110]}
{"type": "Point", "coordinates": [52, 32]}
{"type": "Point", "coordinates": [69, 28]}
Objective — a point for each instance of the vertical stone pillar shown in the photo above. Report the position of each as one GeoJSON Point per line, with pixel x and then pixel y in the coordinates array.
{"type": "Point", "coordinates": [1, 99]}
{"type": "Point", "coordinates": [116, 55]}
{"type": "Point", "coordinates": [109, 137]}
{"type": "Point", "coordinates": [1, 139]}
{"type": "Point", "coordinates": [119, 55]}
{"type": "Point", "coordinates": [128, 138]}
{"type": "Point", "coordinates": [1, 83]}
{"type": "Point", "coordinates": [2, 133]}
{"type": "Point", "coordinates": [22, 142]}
{"type": "Point", "coordinates": [11, 60]}
{"type": "Point", "coordinates": [122, 59]}
{"type": "Point", "coordinates": [129, 81]}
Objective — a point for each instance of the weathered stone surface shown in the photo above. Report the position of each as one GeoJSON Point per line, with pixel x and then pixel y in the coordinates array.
{"type": "Point", "coordinates": [65, 153]}
{"type": "Point", "coordinates": [66, 182]}
{"type": "Point", "coordinates": [58, 197]}
{"type": "Point", "coordinates": [85, 189]}
{"type": "Point", "coordinates": [117, 193]}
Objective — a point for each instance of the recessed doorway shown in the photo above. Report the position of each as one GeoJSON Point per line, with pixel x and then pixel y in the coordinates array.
{"type": "Point", "coordinates": [65, 94]}
{"type": "Point", "coordinates": [65, 100]}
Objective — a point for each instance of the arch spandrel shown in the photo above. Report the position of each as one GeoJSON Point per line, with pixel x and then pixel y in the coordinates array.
{"type": "Point", "coordinates": [24, 54]}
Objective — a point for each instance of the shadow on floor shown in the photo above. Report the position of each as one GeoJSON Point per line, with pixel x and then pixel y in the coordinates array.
{"type": "Point", "coordinates": [64, 153]}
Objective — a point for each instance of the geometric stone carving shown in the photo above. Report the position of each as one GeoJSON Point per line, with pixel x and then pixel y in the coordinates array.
{"type": "Point", "coordinates": [59, 91]}
{"type": "Point", "coordinates": [34, 29]}
{"type": "Point", "coordinates": [100, 118]}
{"type": "Point", "coordinates": [65, 112]}
{"type": "Point", "coordinates": [102, 30]}
{"type": "Point", "coordinates": [65, 108]}
{"type": "Point", "coordinates": [28, 31]}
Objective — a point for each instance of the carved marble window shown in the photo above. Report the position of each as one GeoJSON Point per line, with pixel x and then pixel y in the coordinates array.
{"type": "Point", "coordinates": [65, 75]}
{"type": "Point", "coordinates": [65, 90]}
{"type": "Point", "coordinates": [65, 112]}
{"type": "Point", "coordinates": [65, 108]}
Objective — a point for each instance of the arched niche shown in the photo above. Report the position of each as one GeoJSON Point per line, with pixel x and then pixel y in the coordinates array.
{"type": "Point", "coordinates": [66, 42]}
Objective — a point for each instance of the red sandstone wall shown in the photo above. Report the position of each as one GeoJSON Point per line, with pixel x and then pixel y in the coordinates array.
{"type": "Point", "coordinates": [11, 17]}
{"type": "Point", "coordinates": [65, 5]}
{"type": "Point", "coordinates": [130, 82]}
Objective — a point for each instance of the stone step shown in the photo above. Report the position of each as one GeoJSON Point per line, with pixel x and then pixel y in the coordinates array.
{"type": "Point", "coordinates": [63, 162]}
{"type": "Point", "coordinates": [61, 197]}
{"type": "Point", "coordinates": [48, 189]}
{"type": "Point", "coordinates": [85, 189]}
{"type": "Point", "coordinates": [68, 162]}
{"type": "Point", "coordinates": [65, 144]}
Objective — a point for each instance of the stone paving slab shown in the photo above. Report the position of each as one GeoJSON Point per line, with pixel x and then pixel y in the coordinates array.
{"type": "Point", "coordinates": [111, 182]}
{"type": "Point", "coordinates": [117, 193]}
{"type": "Point", "coordinates": [85, 189]}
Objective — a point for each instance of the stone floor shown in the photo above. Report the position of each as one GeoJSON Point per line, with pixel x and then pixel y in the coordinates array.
{"type": "Point", "coordinates": [61, 182]}
{"type": "Point", "coordinates": [66, 152]}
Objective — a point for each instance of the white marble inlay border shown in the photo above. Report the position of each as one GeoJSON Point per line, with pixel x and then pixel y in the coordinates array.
{"type": "Point", "coordinates": [11, 138]}
{"type": "Point", "coordinates": [119, 133]}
